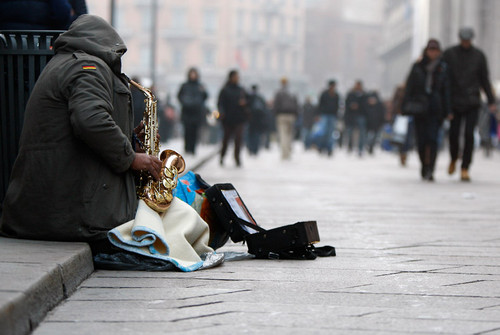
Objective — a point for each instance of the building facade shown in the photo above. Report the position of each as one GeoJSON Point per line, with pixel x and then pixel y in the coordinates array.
{"type": "Point", "coordinates": [342, 38]}
{"type": "Point", "coordinates": [263, 39]}
{"type": "Point", "coordinates": [408, 24]}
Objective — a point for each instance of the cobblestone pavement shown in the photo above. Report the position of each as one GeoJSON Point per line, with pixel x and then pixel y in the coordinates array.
{"type": "Point", "coordinates": [411, 257]}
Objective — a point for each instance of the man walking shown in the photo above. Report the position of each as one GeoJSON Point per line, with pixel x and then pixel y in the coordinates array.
{"type": "Point", "coordinates": [233, 104]}
{"type": "Point", "coordinates": [257, 123]}
{"type": "Point", "coordinates": [328, 110]}
{"type": "Point", "coordinates": [355, 116]}
{"type": "Point", "coordinates": [286, 110]}
{"type": "Point", "coordinates": [468, 74]}
{"type": "Point", "coordinates": [192, 96]}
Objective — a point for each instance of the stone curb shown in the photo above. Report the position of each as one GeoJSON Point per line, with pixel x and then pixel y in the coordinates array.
{"type": "Point", "coordinates": [35, 277]}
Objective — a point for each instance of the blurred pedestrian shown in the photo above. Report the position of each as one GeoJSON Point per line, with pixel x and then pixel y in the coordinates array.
{"type": "Point", "coordinates": [375, 113]}
{"type": "Point", "coordinates": [468, 74]}
{"type": "Point", "coordinates": [258, 120]}
{"type": "Point", "coordinates": [308, 119]}
{"type": "Point", "coordinates": [270, 128]}
{"type": "Point", "coordinates": [286, 110]}
{"type": "Point", "coordinates": [232, 103]}
{"type": "Point", "coordinates": [192, 96]}
{"type": "Point", "coordinates": [406, 143]}
{"type": "Point", "coordinates": [428, 83]}
{"type": "Point", "coordinates": [35, 14]}
{"type": "Point", "coordinates": [328, 110]}
{"type": "Point", "coordinates": [355, 117]}
{"type": "Point", "coordinates": [168, 120]}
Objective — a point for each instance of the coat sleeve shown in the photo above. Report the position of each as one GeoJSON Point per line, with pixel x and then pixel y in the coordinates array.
{"type": "Point", "coordinates": [410, 86]}
{"type": "Point", "coordinates": [221, 103]}
{"type": "Point", "coordinates": [204, 92]}
{"type": "Point", "coordinates": [485, 81]}
{"type": "Point", "coordinates": [90, 105]}
{"type": "Point", "coordinates": [180, 94]}
{"type": "Point", "coordinates": [446, 92]}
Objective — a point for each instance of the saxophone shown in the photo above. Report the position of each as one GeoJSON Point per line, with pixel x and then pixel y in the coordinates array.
{"type": "Point", "coordinates": [157, 194]}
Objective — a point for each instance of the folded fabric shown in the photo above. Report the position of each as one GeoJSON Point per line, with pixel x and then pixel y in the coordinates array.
{"type": "Point", "coordinates": [179, 236]}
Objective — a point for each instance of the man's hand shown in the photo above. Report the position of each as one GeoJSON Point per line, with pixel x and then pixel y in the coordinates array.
{"type": "Point", "coordinates": [140, 132]}
{"type": "Point", "coordinates": [143, 162]}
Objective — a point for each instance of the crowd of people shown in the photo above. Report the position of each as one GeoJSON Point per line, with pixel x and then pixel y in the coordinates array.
{"type": "Point", "coordinates": [440, 86]}
{"type": "Point", "coordinates": [247, 118]}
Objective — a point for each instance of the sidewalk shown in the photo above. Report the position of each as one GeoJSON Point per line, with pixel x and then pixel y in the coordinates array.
{"type": "Point", "coordinates": [412, 257]}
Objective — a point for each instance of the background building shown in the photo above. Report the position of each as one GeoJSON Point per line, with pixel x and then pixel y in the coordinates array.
{"type": "Point", "coordinates": [408, 24]}
{"type": "Point", "coordinates": [309, 41]}
{"type": "Point", "coordinates": [342, 38]}
{"type": "Point", "coordinates": [264, 39]}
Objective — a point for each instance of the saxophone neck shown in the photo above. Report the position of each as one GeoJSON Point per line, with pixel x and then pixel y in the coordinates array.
{"type": "Point", "coordinates": [146, 91]}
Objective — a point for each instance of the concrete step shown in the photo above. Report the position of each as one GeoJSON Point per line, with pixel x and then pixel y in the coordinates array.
{"type": "Point", "coordinates": [35, 277]}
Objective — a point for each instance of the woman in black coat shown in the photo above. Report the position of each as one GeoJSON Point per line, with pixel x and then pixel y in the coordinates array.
{"type": "Point", "coordinates": [428, 83]}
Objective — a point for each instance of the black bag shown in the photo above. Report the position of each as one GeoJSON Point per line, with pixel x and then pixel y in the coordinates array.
{"type": "Point", "coordinates": [287, 242]}
{"type": "Point", "coordinates": [416, 106]}
{"type": "Point", "coordinates": [232, 214]}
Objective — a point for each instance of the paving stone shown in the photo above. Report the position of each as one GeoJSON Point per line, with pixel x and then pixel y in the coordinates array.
{"type": "Point", "coordinates": [413, 257]}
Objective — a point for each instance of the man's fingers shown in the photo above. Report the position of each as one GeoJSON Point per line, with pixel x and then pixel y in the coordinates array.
{"type": "Point", "coordinates": [157, 162]}
{"type": "Point", "coordinates": [139, 127]}
{"type": "Point", "coordinates": [154, 173]}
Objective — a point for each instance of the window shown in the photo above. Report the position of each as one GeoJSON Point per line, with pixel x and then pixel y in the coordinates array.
{"type": "Point", "coordinates": [253, 59]}
{"type": "Point", "coordinates": [296, 27]}
{"type": "Point", "coordinates": [179, 18]}
{"type": "Point", "coordinates": [178, 58]}
{"type": "Point", "coordinates": [267, 59]}
{"type": "Point", "coordinates": [145, 57]}
{"type": "Point", "coordinates": [209, 56]}
{"type": "Point", "coordinates": [281, 60]}
{"type": "Point", "coordinates": [255, 22]}
{"type": "Point", "coordinates": [282, 26]}
{"type": "Point", "coordinates": [295, 62]}
{"type": "Point", "coordinates": [240, 22]}
{"type": "Point", "coordinates": [146, 18]}
{"type": "Point", "coordinates": [269, 25]}
{"type": "Point", "coordinates": [210, 21]}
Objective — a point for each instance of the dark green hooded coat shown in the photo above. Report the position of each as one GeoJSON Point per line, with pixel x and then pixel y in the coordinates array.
{"type": "Point", "coordinates": [71, 180]}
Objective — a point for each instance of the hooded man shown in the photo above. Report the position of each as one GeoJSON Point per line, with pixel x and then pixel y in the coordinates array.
{"type": "Point", "coordinates": [73, 180]}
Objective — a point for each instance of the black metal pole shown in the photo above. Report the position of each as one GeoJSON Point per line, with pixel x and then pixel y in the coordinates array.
{"type": "Point", "coordinates": [112, 9]}
{"type": "Point", "coordinates": [154, 15]}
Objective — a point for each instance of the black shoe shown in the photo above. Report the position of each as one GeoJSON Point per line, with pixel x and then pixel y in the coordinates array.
{"type": "Point", "coordinates": [429, 176]}
{"type": "Point", "coordinates": [424, 172]}
{"type": "Point", "coordinates": [221, 162]}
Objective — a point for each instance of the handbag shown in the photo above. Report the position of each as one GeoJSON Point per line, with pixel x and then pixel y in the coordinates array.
{"type": "Point", "coordinates": [416, 106]}
{"type": "Point", "coordinates": [400, 129]}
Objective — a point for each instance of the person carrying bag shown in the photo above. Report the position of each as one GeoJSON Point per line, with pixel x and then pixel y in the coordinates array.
{"type": "Point", "coordinates": [427, 99]}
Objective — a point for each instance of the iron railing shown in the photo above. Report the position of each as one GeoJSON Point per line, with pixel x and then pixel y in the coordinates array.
{"type": "Point", "coordinates": [23, 55]}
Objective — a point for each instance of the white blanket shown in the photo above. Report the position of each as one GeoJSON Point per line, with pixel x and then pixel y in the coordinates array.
{"type": "Point", "coordinates": [179, 236]}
